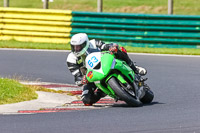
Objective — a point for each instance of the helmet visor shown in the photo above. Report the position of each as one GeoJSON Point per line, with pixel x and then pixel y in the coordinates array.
{"type": "Point", "coordinates": [78, 48]}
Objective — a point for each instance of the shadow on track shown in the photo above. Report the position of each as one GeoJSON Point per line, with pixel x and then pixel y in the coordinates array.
{"type": "Point", "coordinates": [126, 105]}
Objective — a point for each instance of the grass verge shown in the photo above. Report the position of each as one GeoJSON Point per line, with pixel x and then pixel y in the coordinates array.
{"type": "Point", "coordinates": [31, 45]}
{"type": "Point", "coordinates": [11, 91]}
{"type": "Point", "coordinates": [177, 51]}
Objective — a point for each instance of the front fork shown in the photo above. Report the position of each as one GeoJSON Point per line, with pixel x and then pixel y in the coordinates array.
{"type": "Point", "coordinates": [139, 86]}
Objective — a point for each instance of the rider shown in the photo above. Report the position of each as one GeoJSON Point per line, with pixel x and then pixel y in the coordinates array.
{"type": "Point", "coordinates": [75, 61]}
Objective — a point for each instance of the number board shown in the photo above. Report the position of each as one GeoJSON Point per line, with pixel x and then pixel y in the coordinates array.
{"type": "Point", "coordinates": [93, 59]}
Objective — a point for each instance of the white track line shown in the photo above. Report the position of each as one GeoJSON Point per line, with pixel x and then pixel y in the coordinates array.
{"type": "Point", "coordinates": [36, 50]}
{"type": "Point", "coordinates": [44, 83]}
{"type": "Point", "coordinates": [65, 51]}
{"type": "Point", "coordinates": [166, 55]}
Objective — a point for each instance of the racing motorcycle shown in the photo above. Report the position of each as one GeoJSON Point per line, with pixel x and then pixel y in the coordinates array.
{"type": "Point", "coordinates": [116, 79]}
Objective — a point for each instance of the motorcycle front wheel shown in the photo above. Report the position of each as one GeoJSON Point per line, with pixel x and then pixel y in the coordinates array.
{"type": "Point", "coordinates": [122, 93]}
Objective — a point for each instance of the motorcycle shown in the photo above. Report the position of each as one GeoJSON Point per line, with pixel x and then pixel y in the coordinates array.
{"type": "Point", "coordinates": [116, 79]}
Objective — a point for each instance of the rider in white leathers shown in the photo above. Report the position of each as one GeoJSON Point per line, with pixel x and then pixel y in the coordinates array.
{"type": "Point", "coordinates": [75, 62]}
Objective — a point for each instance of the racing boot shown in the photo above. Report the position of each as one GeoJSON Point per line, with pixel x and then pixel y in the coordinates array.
{"type": "Point", "coordinates": [138, 70]}
{"type": "Point", "coordinates": [142, 71]}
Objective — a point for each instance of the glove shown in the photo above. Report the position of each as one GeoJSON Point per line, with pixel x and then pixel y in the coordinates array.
{"type": "Point", "coordinates": [84, 80]}
{"type": "Point", "coordinates": [113, 49]}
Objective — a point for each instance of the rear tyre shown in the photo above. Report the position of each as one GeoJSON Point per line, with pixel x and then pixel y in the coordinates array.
{"type": "Point", "coordinates": [148, 97]}
{"type": "Point", "coordinates": [123, 94]}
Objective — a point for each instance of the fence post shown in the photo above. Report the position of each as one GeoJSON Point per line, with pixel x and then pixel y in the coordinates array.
{"type": "Point", "coordinates": [99, 5]}
{"type": "Point", "coordinates": [170, 7]}
{"type": "Point", "coordinates": [46, 4]}
{"type": "Point", "coordinates": [6, 3]}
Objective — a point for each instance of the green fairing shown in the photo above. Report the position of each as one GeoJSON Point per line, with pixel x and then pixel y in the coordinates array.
{"type": "Point", "coordinates": [107, 90]}
{"type": "Point", "coordinates": [124, 69]}
{"type": "Point", "coordinates": [119, 77]}
{"type": "Point", "coordinates": [106, 63]}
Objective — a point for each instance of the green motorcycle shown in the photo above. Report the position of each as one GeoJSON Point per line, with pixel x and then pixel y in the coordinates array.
{"type": "Point", "coordinates": [116, 79]}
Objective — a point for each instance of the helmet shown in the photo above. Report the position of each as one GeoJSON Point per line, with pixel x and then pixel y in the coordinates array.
{"type": "Point", "coordinates": [79, 44]}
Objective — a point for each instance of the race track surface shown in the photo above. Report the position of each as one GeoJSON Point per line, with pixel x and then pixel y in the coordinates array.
{"type": "Point", "coordinates": [175, 109]}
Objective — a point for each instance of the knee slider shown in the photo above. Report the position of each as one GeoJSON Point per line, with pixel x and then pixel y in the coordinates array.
{"type": "Point", "coordinates": [86, 99]}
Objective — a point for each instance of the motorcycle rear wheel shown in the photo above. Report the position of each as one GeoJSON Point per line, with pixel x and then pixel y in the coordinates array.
{"type": "Point", "coordinates": [122, 93]}
{"type": "Point", "coordinates": [148, 97]}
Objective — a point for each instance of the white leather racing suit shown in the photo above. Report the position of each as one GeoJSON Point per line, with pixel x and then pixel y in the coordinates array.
{"type": "Point", "coordinates": [76, 67]}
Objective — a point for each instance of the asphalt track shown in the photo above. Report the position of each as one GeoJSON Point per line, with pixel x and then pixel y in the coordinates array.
{"type": "Point", "coordinates": [174, 80]}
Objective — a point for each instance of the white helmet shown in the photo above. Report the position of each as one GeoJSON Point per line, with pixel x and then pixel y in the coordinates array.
{"type": "Point", "coordinates": [79, 44]}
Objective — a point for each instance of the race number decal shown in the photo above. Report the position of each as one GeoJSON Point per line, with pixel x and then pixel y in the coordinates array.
{"type": "Point", "coordinates": [92, 61]}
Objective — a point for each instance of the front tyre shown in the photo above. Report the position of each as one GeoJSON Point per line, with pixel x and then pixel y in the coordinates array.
{"type": "Point", "coordinates": [122, 93]}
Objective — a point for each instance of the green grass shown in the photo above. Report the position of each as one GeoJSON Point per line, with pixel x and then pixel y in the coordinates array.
{"type": "Point", "coordinates": [31, 45]}
{"type": "Point", "coordinates": [12, 91]}
{"type": "Point", "coordinates": [183, 7]}
{"type": "Point", "coordinates": [178, 51]}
